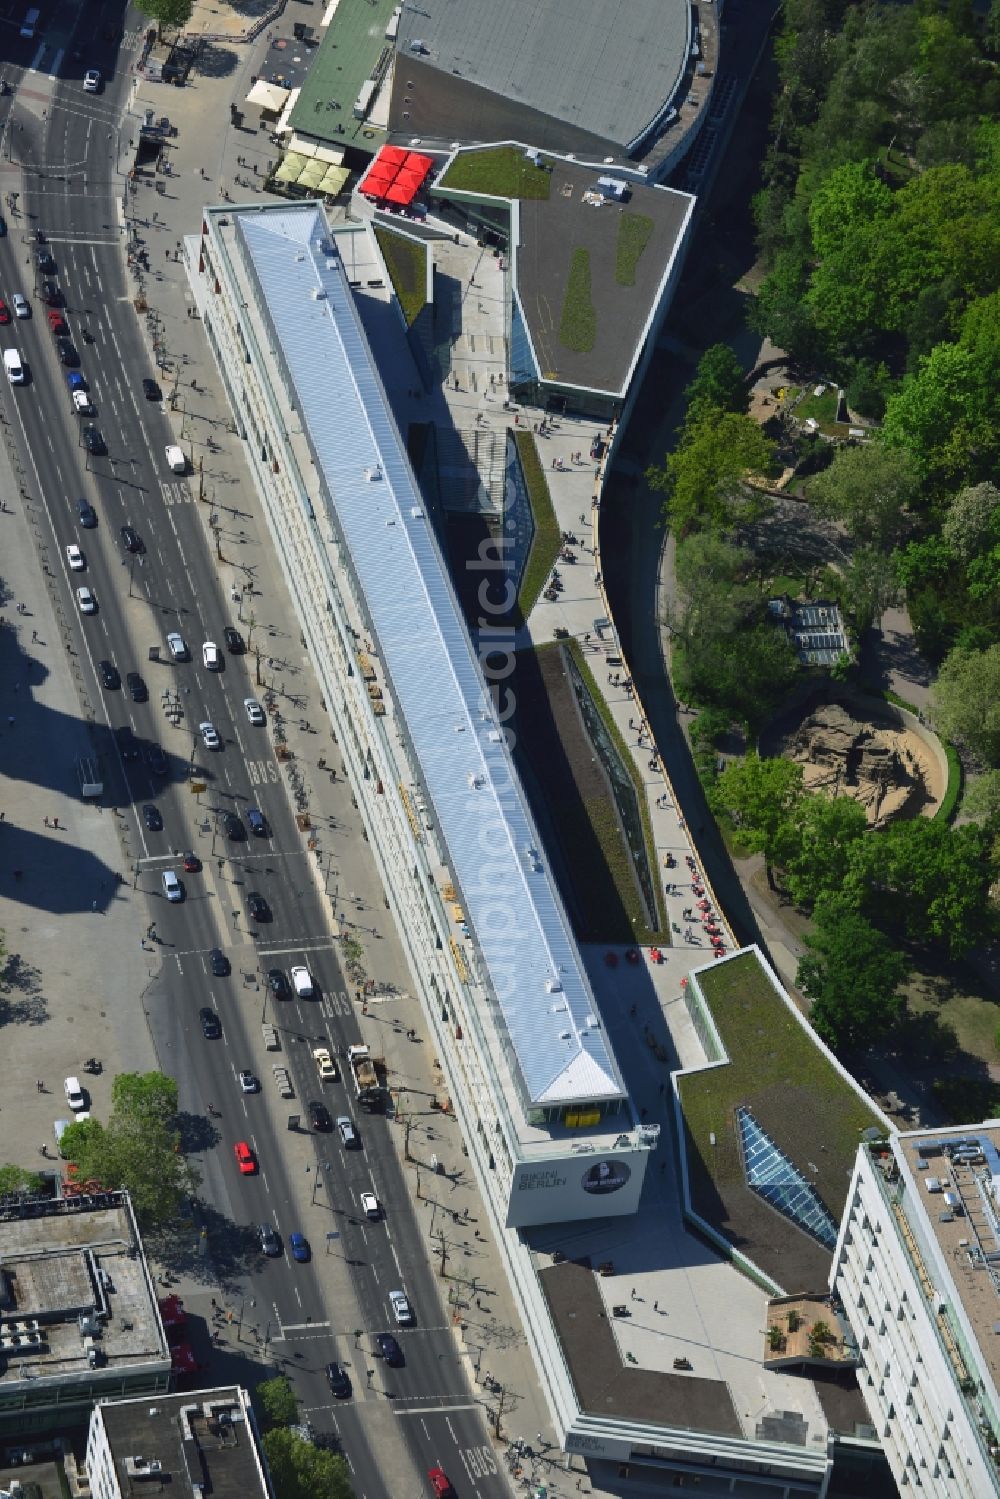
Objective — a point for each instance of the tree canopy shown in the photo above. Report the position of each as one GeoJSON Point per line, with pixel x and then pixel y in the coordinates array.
{"type": "Point", "coordinates": [852, 976]}
{"type": "Point", "coordinates": [301, 1470]}
{"type": "Point", "coordinates": [172, 14]}
{"type": "Point", "coordinates": [707, 476]}
{"type": "Point", "coordinates": [870, 489]}
{"type": "Point", "coordinates": [966, 699]}
{"type": "Point", "coordinates": [760, 796]}
{"type": "Point", "coordinates": [278, 1400]}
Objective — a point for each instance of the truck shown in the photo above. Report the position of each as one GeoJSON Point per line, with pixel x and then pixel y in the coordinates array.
{"type": "Point", "coordinates": [365, 1072]}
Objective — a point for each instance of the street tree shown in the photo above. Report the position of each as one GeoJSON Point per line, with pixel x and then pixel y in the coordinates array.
{"type": "Point", "coordinates": [719, 381]}
{"type": "Point", "coordinates": [972, 521]}
{"type": "Point", "coordinates": [760, 795]}
{"type": "Point", "coordinates": [742, 672]}
{"type": "Point", "coordinates": [811, 845]}
{"type": "Point", "coordinates": [707, 478]}
{"type": "Point", "coordinates": [852, 975]}
{"type": "Point", "coordinates": [966, 701]}
{"type": "Point", "coordinates": [170, 14]}
{"type": "Point", "coordinates": [301, 1470]}
{"type": "Point", "coordinates": [981, 802]}
{"type": "Point", "coordinates": [141, 1156]}
{"type": "Point", "coordinates": [869, 586]}
{"type": "Point", "coordinates": [18, 1181]}
{"type": "Point", "coordinates": [925, 881]}
{"type": "Point", "coordinates": [869, 489]}
{"type": "Point", "coordinates": [279, 1401]}
{"type": "Point", "coordinates": [146, 1095]}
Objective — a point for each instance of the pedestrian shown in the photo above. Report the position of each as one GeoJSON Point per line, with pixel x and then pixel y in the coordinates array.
{"type": "Point", "coordinates": [632, 1295]}
{"type": "Point", "coordinates": [34, 634]}
{"type": "Point", "coordinates": [631, 723]}
{"type": "Point", "coordinates": [93, 906]}
{"type": "Point", "coordinates": [656, 1306]}
{"type": "Point", "coordinates": [46, 822]}
{"type": "Point", "coordinates": [39, 1085]}
{"type": "Point", "coordinates": [55, 822]}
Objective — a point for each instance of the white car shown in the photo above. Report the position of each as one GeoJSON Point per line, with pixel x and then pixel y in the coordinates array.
{"type": "Point", "coordinates": [86, 600]}
{"type": "Point", "coordinates": [21, 305]}
{"type": "Point", "coordinates": [211, 655]}
{"type": "Point", "coordinates": [210, 734]}
{"type": "Point", "coordinates": [81, 403]}
{"type": "Point", "coordinates": [400, 1307]}
{"type": "Point", "coordinates": [74, 1094]}
{"type": "Point", "coordinates": [177, 646]}
{"type": "Point", "coordinates": [91, 81]}
{"type": "Point", "coordinates": [254, 711]}
{"type": "Point", "coordinates": [176, 460]}
{"type": "Point", "coordinates": [172, 887]}
{"type": "Point", "coordinates": [325, 1064]}
{"type": "Point", "coordinates": [369, 1206]}
{"type": "Point", "coordinates": [248, 1082]}
{"type": "Point", "coordinates": [302, 982]}
{"type": "Point", "coordinates": [75, 559]}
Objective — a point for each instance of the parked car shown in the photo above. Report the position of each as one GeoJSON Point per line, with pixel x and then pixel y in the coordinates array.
{"type": "Point", "coordinates": [92, 439]}
{"type": "Point", "coordinates": [82, 405]}
{"type": "Point", "coordinates": [176, 461]}
{"type": "Point", "coordinates": [56, 322]}
{"type": "Point", "coordinates": [74, 1094]}
{"type": "Point", "coordinates": [66, 349]}
{"type": "Point", "coordinates": [235, 643]}
{"type": "Point", "coordinates": [151, 390]}
{"type": "Point", "coordinates": [51, 294]}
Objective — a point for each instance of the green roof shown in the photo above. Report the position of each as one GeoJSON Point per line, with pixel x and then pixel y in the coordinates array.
{"type": "Point", "coordinates": [348, 55]}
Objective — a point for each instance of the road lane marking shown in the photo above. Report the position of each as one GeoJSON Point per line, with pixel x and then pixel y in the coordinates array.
{"type": "Point", "coordinates": [432, 1410]}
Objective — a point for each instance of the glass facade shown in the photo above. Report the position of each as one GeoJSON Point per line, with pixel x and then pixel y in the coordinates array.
{"type": "Point", "coordinates": [772, 1176]}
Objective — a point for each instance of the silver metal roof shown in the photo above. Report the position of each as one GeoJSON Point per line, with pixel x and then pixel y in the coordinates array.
{"type": "Point", "coordinates": [606, 66]}
{"type": "Point", "coordinates": [528, 951]}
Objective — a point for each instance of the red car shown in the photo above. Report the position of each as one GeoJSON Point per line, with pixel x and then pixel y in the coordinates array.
{"type": "Point", "coordinates": [441, 1484]}
{"type": "Point", "coordinates": [192, 864]}
{"type": "Point", "coordinates": [57, 322]}
{"type": "Point", "coordinates": [4, 311]}
{"type": "Point", "coordinates": [245, 1158]}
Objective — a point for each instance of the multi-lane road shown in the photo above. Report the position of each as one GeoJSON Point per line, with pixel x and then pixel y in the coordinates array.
{"type": "Point", "coordinates": [399, 1422]}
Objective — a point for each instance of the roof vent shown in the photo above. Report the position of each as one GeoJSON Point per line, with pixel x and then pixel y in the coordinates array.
{"type": "Point", "coordinates": [592, 1023]}
{"type": "Point", "coordinates": [565, 1035]}
{"type": "Point", "coordinates": [416, 513]}
{"type": "Point", "coordinates": [317, 293]}
{"type": "Point", "coordinates": [553, 986]}
{"type": "Point", "coordinates": [372, 475]}
{"type": "Point", "coordinates": [475, 780]}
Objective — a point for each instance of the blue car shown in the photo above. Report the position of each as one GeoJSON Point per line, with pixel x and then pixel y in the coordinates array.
{"type": "Point", "coordinates": [75, 380]}
{"type": "Point", "coordinates": [299, 1245]}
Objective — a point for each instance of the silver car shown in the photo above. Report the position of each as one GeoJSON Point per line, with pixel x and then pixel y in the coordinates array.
{"type": "Point", "coordinates": [210, 734]}
{"type": "Point", "coordinates": [254, 711]}
{"type": "Point", "coordinates": [177, 646]}
{"type": "Point", "coordinates": [21, 305]}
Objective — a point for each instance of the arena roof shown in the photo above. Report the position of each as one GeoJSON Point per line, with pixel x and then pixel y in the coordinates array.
{"type": "Point", "coordinates": [605, 67]}
{"type": "Point", "coordinates": [529, 954]}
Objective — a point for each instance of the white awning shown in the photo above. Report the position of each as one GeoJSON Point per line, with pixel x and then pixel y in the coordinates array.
{"type": "Point", "coordinates": [305, 147]}
{"type": "Point", "coordinates": [268, 96]}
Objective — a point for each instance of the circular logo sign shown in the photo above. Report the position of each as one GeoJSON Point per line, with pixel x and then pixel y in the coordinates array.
{"type": "Point", "coordinates": [606, 1176]}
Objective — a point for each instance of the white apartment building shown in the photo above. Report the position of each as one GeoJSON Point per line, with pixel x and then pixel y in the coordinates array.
{"type": "Point", "coordinates": [190, 1445]}
{"type": "Point", "coordinates": [916, 1271]}
{"type": "Point", "coordinates": [419, 723]}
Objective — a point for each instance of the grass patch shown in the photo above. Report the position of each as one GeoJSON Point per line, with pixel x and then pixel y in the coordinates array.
{"type": "Point", "coordinates": [949, 802]}
{"type": "Point", "coordinates": [503, 171]}
{"type": "Point", "coordinates": [634, 231]}
{"type": "Point", "coordinates": [547, 538]}
{"type": "Point", "coordinates": [775, 1069]}
{"type": "Point", "coordinates": [578, 324]}
{"type": "Point", "coordinates": [406, 263]}
{"type": "Point", "coordinates": [821, 408]}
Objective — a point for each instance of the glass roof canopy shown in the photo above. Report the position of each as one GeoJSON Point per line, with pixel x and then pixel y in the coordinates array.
{"type": "Point", "coordinates": [772, 1176]}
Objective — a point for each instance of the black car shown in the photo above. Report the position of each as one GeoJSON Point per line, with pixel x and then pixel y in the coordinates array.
{"type": "Point", "coordinates": [235, 643]}
{"type": "Point", "coordinates": [258, 907]}
{"type": "Point", "coordinates": [51, 295]}
{"type": "Point", "coordinates": [151, 817]}
{"type": "Point", "coordinates": [45, 262]}
{"type": "Point", "coordinates": [151, 390]}
{"type": "Point", "coordinates": [319, 1116]}
{"type": "Point", "coordinates": [211, 1027]}
{"type": "Point", "coordinates": [131, 540]}
{"type": "Point", "coordinates": [156, 760]}
{"type": "Point", "coordinates": [232, 827]}
{"type": "Point", "coordinates": [219, 963]}
{"type": "Point", "coordinates": [66, 350]}
{"type": "Point", "coordinates": [136, 687]}
{"type": "Point", "coordinates": [336, 1378]}
{"type": "Point", "coordinates": [389, 1348]}
{"type": "Point", "coordinates": [270, 1240]}
{"type": "Point", "coordinates": [127, 746]}
{"type": "Point", "coordinates": [87, 514]}
{"type": "Point", "coordinates": [278, 984]}
{"type": "Point", "coordinates": [92, 439]}
{"type": "Point", "coordinates": [109, 675]}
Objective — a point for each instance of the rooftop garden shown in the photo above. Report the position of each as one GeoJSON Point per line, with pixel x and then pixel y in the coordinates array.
{"type": "Point", "coordinates": [546, 540]}
{"type": "Point", "coordinates": [634, 233]}
{"type": "Point", "coordinates": [779, 1073]}
{"type": "Point", "coordinates": [406, 262]}
{"type": "Point", "coordinates": [578, 324]}
{"type": "Point", "coordinates": [499, 171]}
